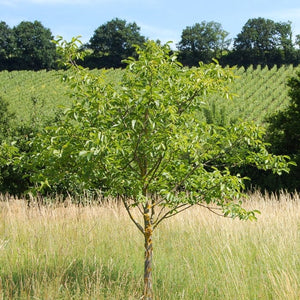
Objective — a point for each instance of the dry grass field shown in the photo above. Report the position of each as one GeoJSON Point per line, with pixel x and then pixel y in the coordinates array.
{"type": "Point", "coordinates": [95, 252]}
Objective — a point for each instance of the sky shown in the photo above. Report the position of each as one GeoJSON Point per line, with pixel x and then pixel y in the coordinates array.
{"type": "Point", "coordinates": [158, 19]}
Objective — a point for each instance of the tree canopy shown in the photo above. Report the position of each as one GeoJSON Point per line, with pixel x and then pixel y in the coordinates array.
{"type": "Point", "coordinates": [6, 40]}
{"type": "Point", "coordinates": [114, 41]}
{"type": "Point", "coordinates": [145, 143]}
{"type": "Point", "coordinates": [265, 42]}
{"type": "Point", "coordinates": [34, 48]}
{"type": "Point", "coordinates": [202, 42]}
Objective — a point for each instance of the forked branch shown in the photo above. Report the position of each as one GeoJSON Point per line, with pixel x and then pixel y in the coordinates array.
{"type": "Point", "coordinates": [172, 212]}
{"type": "Point", "coordinates": [137, 224]}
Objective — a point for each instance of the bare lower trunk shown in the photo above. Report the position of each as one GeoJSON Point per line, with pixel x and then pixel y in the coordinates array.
{"type": "Point", "coordinates": [148, 289]}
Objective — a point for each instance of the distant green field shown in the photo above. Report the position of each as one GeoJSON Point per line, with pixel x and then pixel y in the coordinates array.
{"type": "Point", "coordinates": [259, 92]}
{"type": "Point", "coordinates": [38, 95]}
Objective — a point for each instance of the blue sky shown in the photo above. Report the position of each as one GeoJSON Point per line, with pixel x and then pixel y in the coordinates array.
{"type": "Point", "coordinates": [158, 19]}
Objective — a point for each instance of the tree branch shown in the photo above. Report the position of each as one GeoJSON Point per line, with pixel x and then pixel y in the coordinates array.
{"type": "Point", "coordinates": [206, 163]}
{"type": "Point", "coordinates": [181, 109]}
{"type": "Point", "coordinates": [131, 216]}
{"type": "Point", "coordinates": [174, 211]}
{"type": "Point", "coordinates": [211, 209]}
{"type": "Point", "coordinates": [153, 170]}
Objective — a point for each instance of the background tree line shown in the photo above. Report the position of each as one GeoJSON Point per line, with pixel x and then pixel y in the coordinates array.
{"type": "Point", "coordinates": [28, 46]}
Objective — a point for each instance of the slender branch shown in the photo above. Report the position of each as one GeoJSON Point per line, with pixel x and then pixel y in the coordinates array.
{"type": "Point", "coordinates": [181, 108]}
{"type": "Point", "coordinates": [226, 151]}
{"type": "Point", "coordinates": [211, 209]}
{"type": "Point", "coordinates": [165, 163]}
{"type": "Point", "coordinates": [186, 176]}
{"type": "Point", "coordinates": [126, 112]}
{"type": "Point", "coordinates": [138, 207]}
{"type": "Point", "coordinates": [153, 205]}
{"type": "Point", "coordinates": [134, 154]}
{"type": "Point", "coordinates": [178, 211]}
{"type": "Point", "coordinates": [156, 166]}
{"type": "Point", "coordinates": [131, 216]}
{"type": "Point", "coordinates": [160, 212]}
{"type": "Point", "coordinates": [154, 170]}
{"type": "Point", "coordinates": [206, 163]}
{"type": "Point", "coordinates": [193, 170]}
{"type": "Point", "coordinates": [174, 211]}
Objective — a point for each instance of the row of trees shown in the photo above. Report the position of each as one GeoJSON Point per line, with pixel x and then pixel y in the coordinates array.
{"type": "Point", "coordinates": [27, 46]}
{"type": "Point", "coordinates": [261, 41]}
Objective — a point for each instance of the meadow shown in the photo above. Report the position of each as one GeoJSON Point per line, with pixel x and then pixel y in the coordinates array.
{"type": "Point", "coordinates": [66, 251]}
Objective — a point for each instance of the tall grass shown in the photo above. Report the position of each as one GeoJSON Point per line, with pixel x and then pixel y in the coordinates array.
{"type": "Point", "coordinates": [95, 252]}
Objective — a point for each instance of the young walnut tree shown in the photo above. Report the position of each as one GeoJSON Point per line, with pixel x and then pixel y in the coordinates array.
{"type": "Point", "coordinates": [145, 141]}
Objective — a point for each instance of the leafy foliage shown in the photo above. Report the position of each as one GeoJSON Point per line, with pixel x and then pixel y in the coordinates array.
{"type": "Point", "coordinates": [7, 153]}
{"type": "Point", "coordinates": [202, 42]}
{"type": "Point", "coordinates": [263, 42]}
{"type": "Point", "coordinates": [37, 98]}
{"type": "Point", "coordinates": [27, 46]}
{"type": "Point", "coordinates": [14, 139]}
{"type": "Point", "coordinates": [112, 42]}
{"type": "Point", "coordinates": [7, 44]}
{"type": "Point", "coordinates": [7, 150]}
{"type": "Point", "coordinates": [283, 133]}
{"type": "Point", "coordinates": [5, 119]}
{"type": "Point", "coordinates": [260, 34]}
{"type": "Point", "coordinates": [146, 139]}
{"type": "Point", "coordinates": [34, 49]}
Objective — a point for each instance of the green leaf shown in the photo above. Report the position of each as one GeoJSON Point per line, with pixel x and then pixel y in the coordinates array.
{"type": "Point", "coordinates": [133, 123]}
{"type": "Point", "coordinates": [83, 153]}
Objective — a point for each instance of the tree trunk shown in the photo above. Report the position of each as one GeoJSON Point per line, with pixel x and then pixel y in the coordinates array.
{"type": "Point", "coordinates": [148, 289]}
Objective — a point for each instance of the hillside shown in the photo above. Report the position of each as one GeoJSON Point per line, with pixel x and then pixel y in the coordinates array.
{"type": "Point", "coordinates": [259, 92]}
